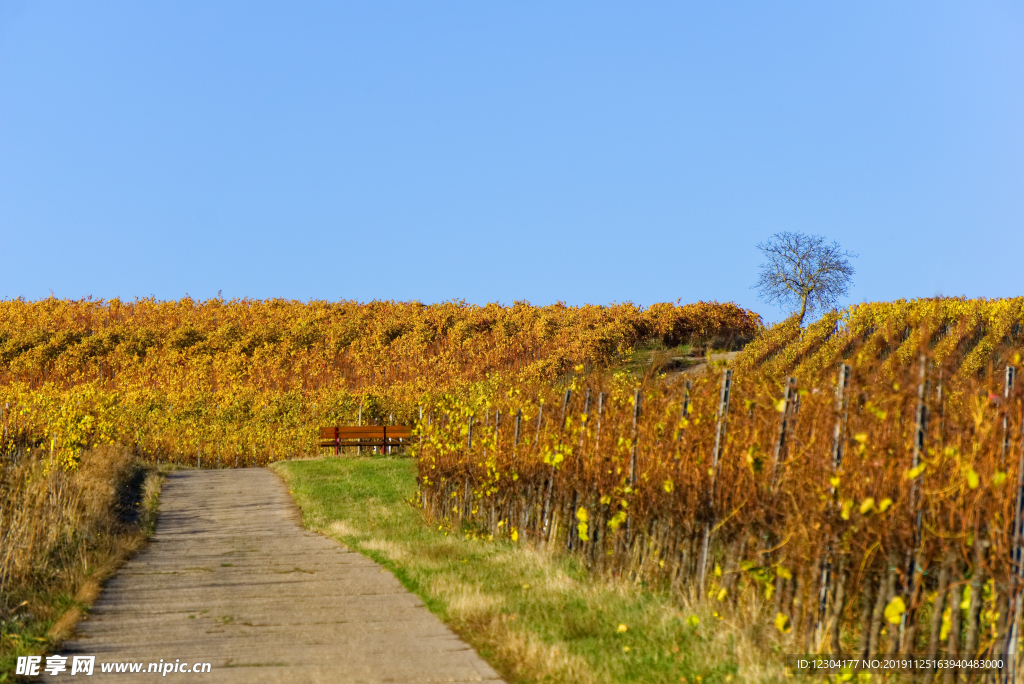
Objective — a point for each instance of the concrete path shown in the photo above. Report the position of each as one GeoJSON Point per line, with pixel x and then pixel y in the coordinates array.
{"type": "Point", "coordinates": [231, 578]}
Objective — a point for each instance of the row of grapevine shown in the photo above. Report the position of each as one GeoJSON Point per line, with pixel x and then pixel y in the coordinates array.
{"type": "Point", "coordinates": [871, 505]}
{"type": "Point", "coordinates": [244, 382]}
{"type": "Point", "coordinates": [969, 336]}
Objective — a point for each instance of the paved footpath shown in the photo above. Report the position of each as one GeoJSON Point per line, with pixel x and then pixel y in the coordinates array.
{"type": "Point", "coordinates": [233, 579]}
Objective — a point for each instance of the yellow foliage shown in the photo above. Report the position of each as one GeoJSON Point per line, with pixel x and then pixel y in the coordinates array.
{"type": "Point", "coordinates": [782, 623]}
{"type": "Point", "coordinates": [894, 610]}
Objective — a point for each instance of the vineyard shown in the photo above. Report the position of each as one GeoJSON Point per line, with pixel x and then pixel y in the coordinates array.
{"type": "Point", "coordinates": [858, 479]}
{"type": "Point", "coordinates": [245, 382]}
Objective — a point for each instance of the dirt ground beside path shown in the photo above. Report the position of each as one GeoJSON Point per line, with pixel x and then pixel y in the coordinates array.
{"type": "Point", "coordinates": [231, 578]}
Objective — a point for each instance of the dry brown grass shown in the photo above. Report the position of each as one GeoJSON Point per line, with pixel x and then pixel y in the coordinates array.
{"type": "Point", "coordinates": [61, 534]}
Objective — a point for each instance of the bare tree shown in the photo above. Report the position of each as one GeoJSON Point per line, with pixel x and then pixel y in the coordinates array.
{"type": "Point", "coordinates": [805, 271]}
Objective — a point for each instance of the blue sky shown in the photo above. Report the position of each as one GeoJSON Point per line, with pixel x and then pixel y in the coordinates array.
{"type": "Point", "coordinates": [561, 151]}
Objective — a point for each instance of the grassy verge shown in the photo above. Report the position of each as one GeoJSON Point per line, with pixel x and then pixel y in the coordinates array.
{"type": "Point", "coordinates": [535, 616]}
{"type": "Point", "coordinates": [64, 534]}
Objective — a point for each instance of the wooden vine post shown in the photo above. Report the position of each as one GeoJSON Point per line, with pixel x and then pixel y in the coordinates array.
{"type": "Point", "coordinates": [685, 410]}
{"type": "Point", "coordinates": [497, 451]}
{"type": "Point", "coordinates": [1011, 372]}
{"type": "Point", "coordinates": [827, 565]}
{"type": "Point", "coordinates": [637, 397]}
{"type": "Point", "coordinates": [540, 420]}
{"type": "Point", "coordinates": [1016, 555]}
{"type": "Point", "coordinates": [839, 437]}
{"type": "Point", "coordinates": [913, 577]}
{"type": "Point", "coordinates": [628, 525]}
{"type": "Point", "coordinates": [466, 506]}
{"type": "Point", "coordinates": [586, 420]}
{"type": "Point", "coordinates": [781, 442]}
{"type": "Point", "coordinates": [585, 424]}
{"type": "Point", "coordinates": [419, 454]}
{"type": "Point", "coordinates": [547, 527]}
{"type": "Point", "coordinates": [723, 410]}
{"type": "Point", "coordinates": [536, 441]}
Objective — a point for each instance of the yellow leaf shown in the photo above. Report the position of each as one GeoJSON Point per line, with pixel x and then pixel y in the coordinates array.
{"type": "Point", "coordinates": [867, 505]}
{"type": "Point", "coordinates": [861, 437]}
{"type": "Point", "coordinates": [845, 513]}
{"type": "Point", "coordinates": [669, 486]}
{"type": "Point", "coordinates": [617, 520]}
{"type": "Point", "coordinates": [783, 573]}
{"type": "Point", "coordinates": [914, 472]}
{"type": "Point", "coordinates": [895, 610]}
{"type": "Point", "coordinates": [947, 623]}
{"type": "Point", "coordinates": [834, 481]}
{"type": "Point", "coordinates": [972, 479]}
{"type": "Point", "coordinates": [622, 628]}
{"type": "Point", "coordinates": [884, 506]}
{"type": "Point", "coordinates": [782, 623]}
{"type": "Point", "coordinates": [965, 602]}
{"type": "Point", "coordinates": [780, 405]}
{"type": "Point", "coordinates": [722, 594]}
{"type": "Point", "coordinates": [693, 620]}
{"type": "Point", "coordinates": [718, 570]}
{"type": "Point", "coordinates": [515, 534]}
{"type": "Point", "coordinates": [581, 515]}
{"type": "Point", "coordinates": [998, 479]}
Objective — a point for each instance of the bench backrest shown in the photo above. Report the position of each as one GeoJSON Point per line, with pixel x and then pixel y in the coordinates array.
{"type": "Point", "coordinates": [366, 432]}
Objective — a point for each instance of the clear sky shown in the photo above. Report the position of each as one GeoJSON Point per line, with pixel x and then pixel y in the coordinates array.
{"type": "Point", "coordinates": [585, 152]}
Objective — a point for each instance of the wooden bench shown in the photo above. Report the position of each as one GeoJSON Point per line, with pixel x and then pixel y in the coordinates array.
{"type": "Point", "coordinates": [365, 436]}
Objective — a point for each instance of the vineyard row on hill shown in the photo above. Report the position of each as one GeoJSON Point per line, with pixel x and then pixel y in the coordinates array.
{"type": "Point", "coordinates": [246, 381]}
{"type": "Point", "coordinates": [811, 498]}
{"type": "Point", "coordinates": [968, 336]}
{"type": "Point", "coordinates": [872, 506]}
{"type": "Point", "coordinates": [278, 345]}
